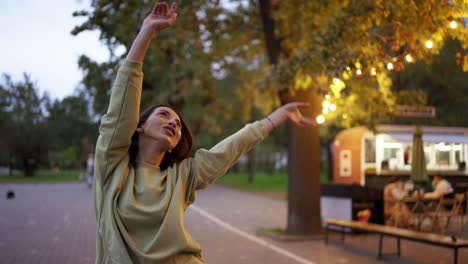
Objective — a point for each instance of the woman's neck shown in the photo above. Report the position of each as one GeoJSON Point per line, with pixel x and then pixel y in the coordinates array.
{"type": "Point", "coordinates": [150, 151]}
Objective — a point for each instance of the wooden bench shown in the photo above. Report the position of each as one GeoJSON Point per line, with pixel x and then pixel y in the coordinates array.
{"type": "Point", "coordinates": [398, 233]}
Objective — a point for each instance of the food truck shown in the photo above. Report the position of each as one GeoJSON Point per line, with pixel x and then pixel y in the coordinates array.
{"type": "Point", "coordinates": [366, 158]}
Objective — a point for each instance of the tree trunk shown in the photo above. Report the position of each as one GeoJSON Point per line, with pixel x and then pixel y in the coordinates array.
{"type": "Point", "coordinates": [304, 172]}
{"type": "Point", "coordinates": [303, 150]}
{"type": "Point", "coordinates": [28, 167]}
{"type": "Point", "coordinates": [251, 165]}
{"type": "Point", "coordinates": [10, 164]}
{"type": "Point", "coordinates": [330, 163]}
{"type": "Point", "coordinates": [329, 160]}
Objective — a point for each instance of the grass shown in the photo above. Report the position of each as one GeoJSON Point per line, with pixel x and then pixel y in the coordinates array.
{"type": "Point", "coordinates": [42, 176]}
{"type": "Point", "coordinates": [275, 184]}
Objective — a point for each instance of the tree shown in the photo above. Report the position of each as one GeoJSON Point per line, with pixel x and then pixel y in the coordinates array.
{"type": "Point", "coordinates": [71, 130]}
{"type": "Point", "coordinates": [169, 79]}
{"type": "Point", "coordinates": [22, 123]}
{"type": "Point", "coordinates": [446, 90]}
{"type": "Point", "coordinates": [320, 45]}
{"type": "Point", "coordinates": [4, 119]}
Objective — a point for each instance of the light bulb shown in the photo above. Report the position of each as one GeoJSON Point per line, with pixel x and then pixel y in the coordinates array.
{"type": "Point", "coordinates": [409, 58]}
{"type": "Point", "coordinates": [453, 24]}
{"type": "Point", "coordinates": [429, 44]}
{"type": "Point", "coordinates": [320, 119]}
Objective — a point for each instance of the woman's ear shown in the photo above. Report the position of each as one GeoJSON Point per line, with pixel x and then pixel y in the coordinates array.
{"type": "Point", "coordinates": [140, 130]}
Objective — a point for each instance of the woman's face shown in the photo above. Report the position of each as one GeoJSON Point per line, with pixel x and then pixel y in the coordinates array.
{"type": "Point", "coordinates": [164, 126]}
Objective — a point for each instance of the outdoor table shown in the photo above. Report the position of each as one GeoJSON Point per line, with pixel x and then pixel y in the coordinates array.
{"type": "Point", "coordinates": [420, 207]}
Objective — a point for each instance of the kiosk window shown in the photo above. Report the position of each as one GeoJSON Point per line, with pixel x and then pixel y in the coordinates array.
{"type": "Point", "coordinates": [370, 150]}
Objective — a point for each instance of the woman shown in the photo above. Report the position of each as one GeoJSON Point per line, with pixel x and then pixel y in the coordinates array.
{"type": "Point", "coordinates": [395, 210]}
{"type": "Point", "coordinates": [144, 178]}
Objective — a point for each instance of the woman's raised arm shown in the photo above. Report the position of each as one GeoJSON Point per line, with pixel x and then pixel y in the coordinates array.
{"type": "Point", "coordinates": [159, 19]}
{"type": "Point", "coordinates": [121, 119]}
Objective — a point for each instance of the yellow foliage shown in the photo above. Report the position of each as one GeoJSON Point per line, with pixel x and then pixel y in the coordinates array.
{"type": "Point", "coordinates": [302, 81]}
{"type": "Point", "coordinates": [465, 63]}
{"type": "Point", "coordinates": [336, 87]}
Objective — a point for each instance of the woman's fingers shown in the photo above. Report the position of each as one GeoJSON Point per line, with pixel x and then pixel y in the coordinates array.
{"type": "Point", "coordinates": [155, 9]}
{"type": "Point", "coordinates": [173, 9]}
{"type": "Point", "coordinates": [307, 122]}
{"type": "Point", "coordinates": [298, 104]}
{"type": "Point", "coordinates": [164, 9]}
{"type": "Point", "coordinates": [161, 9]}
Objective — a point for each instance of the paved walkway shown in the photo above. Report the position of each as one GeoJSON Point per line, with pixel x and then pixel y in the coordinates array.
{"type": "Point", "coordinates": [54, 223]}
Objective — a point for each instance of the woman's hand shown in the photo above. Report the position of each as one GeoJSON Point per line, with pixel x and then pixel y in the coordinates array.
{"type": "Point", "coordinates": [289, 112]}
{"type": "Point", "coordinates": [160, 17]}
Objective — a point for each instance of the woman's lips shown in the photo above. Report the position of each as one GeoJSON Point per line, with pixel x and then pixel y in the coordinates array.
{"type": "Point", "coordinates": [171, 131]}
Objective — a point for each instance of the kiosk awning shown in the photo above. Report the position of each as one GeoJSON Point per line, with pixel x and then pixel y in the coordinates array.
{"type": "Point", "coordinates": [431, 137]}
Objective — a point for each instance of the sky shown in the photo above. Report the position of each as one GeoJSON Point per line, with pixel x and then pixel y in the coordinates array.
{"type": "Point", "coordinates": [35, 38]}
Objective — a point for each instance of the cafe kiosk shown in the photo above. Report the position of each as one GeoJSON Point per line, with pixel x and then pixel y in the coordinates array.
{"type": "Point", "coordinates": [368, 158]}
{"type": "Point", "coordinates": [364, 160]}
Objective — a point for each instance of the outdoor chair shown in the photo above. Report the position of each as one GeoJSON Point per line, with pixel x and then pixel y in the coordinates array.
{"type": "Point", "coordinates": [444, 211]}
{"type": "Point", "coordinates": [457, 214]}
{"type": "Point", "coordinates": [405, 216]}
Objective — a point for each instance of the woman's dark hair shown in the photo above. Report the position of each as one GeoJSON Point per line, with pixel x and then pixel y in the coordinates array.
{"type": "Point", "coordinates": [178, 153]}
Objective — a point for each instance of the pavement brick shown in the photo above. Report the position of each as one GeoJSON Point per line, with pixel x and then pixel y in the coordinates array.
{"type": "Point", "coordinates": [55, 223]}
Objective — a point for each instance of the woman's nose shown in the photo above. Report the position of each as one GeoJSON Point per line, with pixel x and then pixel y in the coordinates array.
{"type": "Point", "coordinates": [172, 122]}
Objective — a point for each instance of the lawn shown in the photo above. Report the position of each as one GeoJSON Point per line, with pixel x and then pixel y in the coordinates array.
{"type": "Point", "coordinates": [42, 176]}
{"type": "Point", "coordinates": [275, 184]}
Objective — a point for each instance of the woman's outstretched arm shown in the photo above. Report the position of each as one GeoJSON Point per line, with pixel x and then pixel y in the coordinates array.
{"type": "Point", "coordinates": [208, 165]}
{"type": "Point", "coordinates": [159, 19]}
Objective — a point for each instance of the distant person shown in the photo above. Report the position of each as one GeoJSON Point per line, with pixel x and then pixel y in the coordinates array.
{"type": "Point", "coordinates": [395, 209]}
{"type": "Point", "coordinates": [90, 170]}
{"type": "Point", "coordinates": [441, 187]}
{"type": "Point", "coordinates": [406, 155]}
{"type": "Point", "coordinates": [144, 176]}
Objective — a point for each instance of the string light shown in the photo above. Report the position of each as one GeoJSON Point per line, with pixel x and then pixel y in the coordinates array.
{"type": "Point", "coordinates": [409, 58]}
{"type": "Point", "coordinates": [453, 24]}
{"type": "Point", "coordinates": [329, 107]}
{"type": "Point", "coordinates": [429, 44]}
{"type": "Point", "coordinates": [320, 119]}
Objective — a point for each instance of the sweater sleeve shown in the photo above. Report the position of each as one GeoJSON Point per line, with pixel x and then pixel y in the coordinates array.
{"type": "Point", "coordinates": [120, 121]}
{"type": "Point", "coordinates": [208, 165]}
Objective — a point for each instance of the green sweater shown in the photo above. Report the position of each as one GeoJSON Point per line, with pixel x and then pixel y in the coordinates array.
{"type": "Point", "coordinates": [140, 210]}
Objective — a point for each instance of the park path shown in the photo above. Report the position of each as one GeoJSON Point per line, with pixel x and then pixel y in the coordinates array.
{"type": "Point", "coordinates": [55, 223]}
